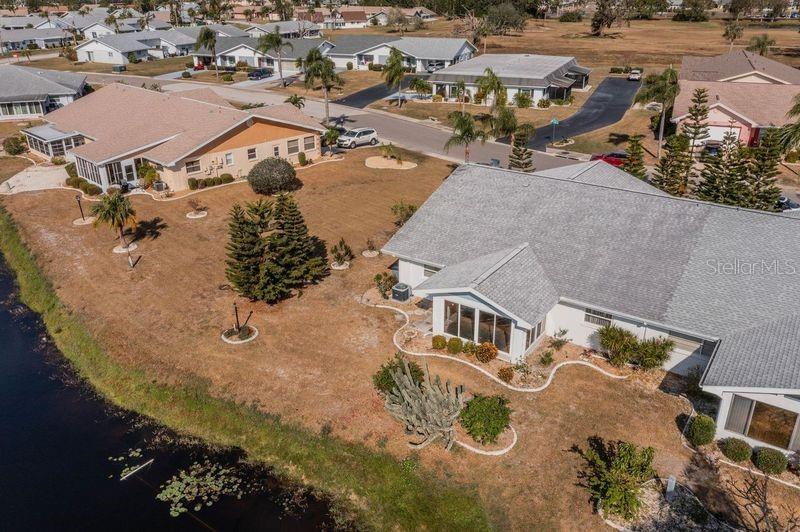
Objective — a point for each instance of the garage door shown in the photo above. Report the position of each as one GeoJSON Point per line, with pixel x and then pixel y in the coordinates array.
{"type": "Point", "coordinates": [718, 132]}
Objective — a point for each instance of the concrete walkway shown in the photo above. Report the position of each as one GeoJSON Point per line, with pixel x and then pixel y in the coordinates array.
{"type": "Point", "coordinates": [35, 178]}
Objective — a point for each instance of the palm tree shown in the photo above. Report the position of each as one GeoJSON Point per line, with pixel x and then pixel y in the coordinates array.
{"type": "Point", "coordinates": [330, 137]}
{"type": "Point", "coordinates": [296, 100]}
{"type": "Point", "coordinates": [662, 88]}
{"type": "Point", "coordinates": [761, 44]}
{"type": "Point", "coordinates": [420, 86]}
{"type": "Point", "coordinates": [207, 38]}
{"type": "Point", "coordinates": [461, 93]}
{"type": "Point", "coordinates": [490, 84]}
{"type": "Point", "coordinates": [116, 211]}
{"type": "Point", "coordinates": [465, 132]}
{"type": "Point", "coordinates": [111, 21]}
{"type": "Point", "coordinates": [790, 133]}
{"type": "Point", "coordinates": [733, 31]}
{"type": "Point", "coordinates": [320, 70]}
{"type": "Point", "coordinates": [393, 73]}
{"type": "Point", "coordinates": [274, 42]}
{"type": "Point", "coordinates": [503, 123]}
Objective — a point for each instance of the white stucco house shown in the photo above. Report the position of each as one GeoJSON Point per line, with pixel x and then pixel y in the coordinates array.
{"type": "Point", "coordinates": [231, 51]}
{"type": "Point", "coordinates": [32, 92]}
{"type": "Point", "coordinates": [509, 257]}
{"type": "Point", "coordinates": [421, 53]}
{"type": "Point", "coordinates": [540, 76]}
{"type": "Point", "coordinates": [11, 40]}
{"type": "Point", "coordinates": [288, 29]}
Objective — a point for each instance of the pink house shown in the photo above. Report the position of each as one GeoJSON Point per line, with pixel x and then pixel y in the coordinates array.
{"type": "Point", "coordinates": [746, 93]}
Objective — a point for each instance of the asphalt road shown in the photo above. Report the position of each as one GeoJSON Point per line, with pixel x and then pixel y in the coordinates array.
{"type": "Point", "coordinates": [604, 107]}
{"type": "Point", "coordinates": [404, 133]}
{"type": "Point", "coordinates": [364, 97]}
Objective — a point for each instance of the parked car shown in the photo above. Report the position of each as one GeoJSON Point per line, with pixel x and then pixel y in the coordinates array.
{"type": "Point", "coordinates": [260, 73]}
{"type": "Point", "coordinates": [635, 75]}
{"type": "Point", "coordinates": [433, 66]}
{"type": "Point", "coordinates": [358, 137]}
{"type": "Point", "coordinates": [616, 158]}
{"type": "Point", "coordinates": [201, 66]}
{"type": "Point", "coordinates": [787, 204]}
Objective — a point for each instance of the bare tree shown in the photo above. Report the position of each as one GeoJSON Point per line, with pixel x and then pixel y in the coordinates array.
{"type": "Point", "coordinates": [752, 494]}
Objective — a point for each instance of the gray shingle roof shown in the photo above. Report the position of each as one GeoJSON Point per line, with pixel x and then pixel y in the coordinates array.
{"type": "Point", "coordinates": [33, 84]}
{"type": "Point", "coordinates": [515, 70]}
{"type": "Point", "coordinates": [32, 34]}
{"type": "Point", "coordinates": [420, 47]}
{"type": "Point", "coordinates": [286, 26]}
{"type": "Point", "coordinates": [598, 241]}
{"type": "Point", "coordinates": [599, 173]}
{"type": "Point", "coordinates": [772, 346]}
{"type": "Point", "coordinates": [734, 64]}
{"type": "Point", "coordinates": [128, 42]}
{"type": "Point", "coordinates": [352, 44]}
{"type": "Point", "coordinates": [20, 22]}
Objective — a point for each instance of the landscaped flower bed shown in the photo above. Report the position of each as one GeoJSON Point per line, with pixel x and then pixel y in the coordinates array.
{"type": "Point", "coordinates": [683, 512]}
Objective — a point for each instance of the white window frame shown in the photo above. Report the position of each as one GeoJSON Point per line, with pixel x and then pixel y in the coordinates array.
{"type": "Point", "coordinates": [306, 140]}
{"type": "Point", "coordinates": [254, 153]}
{"type": "Point", "coordinates": [229, 159]}
{"type": "Point", "coordinates": [276, 151]}
{"type": "Point", "coordinates": [293, 146]}
{"type": "Point", "coordinates": [190, 164]}
{"type": "Point", "coordinates": [597, 318]}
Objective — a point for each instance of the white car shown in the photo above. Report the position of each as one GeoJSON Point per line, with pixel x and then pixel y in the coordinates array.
{"type": "Point", "coordinates": [635, 75]}
{"type": "Point", "coordinates": [358, 137]}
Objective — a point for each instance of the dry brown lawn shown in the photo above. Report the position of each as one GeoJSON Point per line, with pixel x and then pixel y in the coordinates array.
{"type": "Point", "coordinates": [648, 43]}
{"type": "Point", "coordinates": [10, 166]}
{"type": "Point", "coordinates": [145, 68]}
{"type": "Point", "coordinates": [313, 360]}
{"type": "Point", "coordinates": [9, 128]}
{"type": "Point", "coordinates": [354, 81]}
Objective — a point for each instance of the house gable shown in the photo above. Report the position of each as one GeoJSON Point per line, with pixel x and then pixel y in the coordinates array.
{"type": "Point", "coordinates": [252, 132]}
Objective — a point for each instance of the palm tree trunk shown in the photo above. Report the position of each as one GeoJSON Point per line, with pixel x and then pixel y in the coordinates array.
{"type": "Point", "coordinates": [214, 62]}
{"type": "Point", "coordinates": [280, 68]}
{"type": "Point", "coordinates": [325, 96]}
{"type": "Point", "coordinates": [122, 236]}
{"type": "Point", "coordinates": [661, 129]}
{"type": "Point", "coordinates": [466, 153]}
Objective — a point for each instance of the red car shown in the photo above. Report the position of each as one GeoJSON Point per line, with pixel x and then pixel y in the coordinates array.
{"type": "Point", "coordinates": [201, 66]}
{"type": "Point", "coordinates": [614, 158]}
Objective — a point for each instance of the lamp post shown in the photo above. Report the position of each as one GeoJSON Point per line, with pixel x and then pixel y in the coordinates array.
{"type": "Point", "coordinates": [80, 206]}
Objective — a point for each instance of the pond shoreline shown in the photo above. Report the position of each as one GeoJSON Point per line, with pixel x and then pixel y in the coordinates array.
{"type": "Point", "coordinates": [361, 486]}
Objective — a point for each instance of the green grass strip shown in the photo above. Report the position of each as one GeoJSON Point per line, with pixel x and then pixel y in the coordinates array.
{"type": "Point", "coordinates": [370, 486]}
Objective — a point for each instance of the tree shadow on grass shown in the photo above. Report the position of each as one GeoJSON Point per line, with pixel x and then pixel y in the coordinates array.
{"type": "Point", "coordinates": [148, 229]}
{"type": "Point", "coordinates": [618, 138]}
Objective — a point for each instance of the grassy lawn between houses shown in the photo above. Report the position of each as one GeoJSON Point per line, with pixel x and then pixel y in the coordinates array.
{"type": "Point", "coordinates": [354, 81]}
{"type": "Point", "coordinates": [145, 68]}
{"type": "Point", "coordinates": [149, 340]}
{"type": "Point", "coordinates": [648, 43]}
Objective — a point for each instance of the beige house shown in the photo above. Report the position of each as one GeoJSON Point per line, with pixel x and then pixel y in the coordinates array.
{"type": "Point", "coordinates": [193, 134]}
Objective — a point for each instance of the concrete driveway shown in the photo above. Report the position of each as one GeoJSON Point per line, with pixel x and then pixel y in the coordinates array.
{"type": "Point", "coordinates": [35, 178]}
{"type": "Point", "coordinates": [604, 107]}
{"type": "Point", "coordinates": [364, 97]}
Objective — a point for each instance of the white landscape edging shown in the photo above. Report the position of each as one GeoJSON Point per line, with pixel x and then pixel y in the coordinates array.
{"type": "Point", "coordinates": [485, 372]}
{"type": "Point", "coordinates": [238, 342]}
{"type": "Point", "coordinates": [499, 452]}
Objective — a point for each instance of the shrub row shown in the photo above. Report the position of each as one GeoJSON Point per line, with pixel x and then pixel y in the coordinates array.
{"type": "Point", "coordinates": [84, 186]}
{"type": "Point", "coordinates": [195, 184]}
{"type": "Point", "coordinates": [485, 352]}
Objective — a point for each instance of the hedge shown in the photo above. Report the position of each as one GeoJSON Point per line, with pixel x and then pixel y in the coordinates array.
{"type": "Point", "coordinates": [701, 430]}
{"type": "Point", "coordinates": [735, 449]}
{"type": "Point", "coordinates": [771, 461]}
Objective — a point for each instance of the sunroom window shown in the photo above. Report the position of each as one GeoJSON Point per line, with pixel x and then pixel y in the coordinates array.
{"type": "Point", "coordinates": [764, 422]}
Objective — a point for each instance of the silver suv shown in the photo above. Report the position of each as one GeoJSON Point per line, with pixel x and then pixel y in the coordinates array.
{"type": "Point", "coordinates": [358, 137]}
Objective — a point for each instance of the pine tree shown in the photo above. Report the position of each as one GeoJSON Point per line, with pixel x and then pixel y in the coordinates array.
{"type": "Point", "coordinates": [293, 257]}
{"type": "Point", "coordinates": [763, 192]}
{"type": "Point", "coordinates": [671, 169]}
{"type": "Point", "coordinates": [521, 157]}
{"type": "Point", "coordinates": [722, 179]}
{"type": "Point", "coordinates": [695, 128]}
{"type": "Point", "coordinates": [634, 164]}
{"type": "Point", "coordinates": [245, 252]}
{"type": "Point", "coordinates": [696, 125]}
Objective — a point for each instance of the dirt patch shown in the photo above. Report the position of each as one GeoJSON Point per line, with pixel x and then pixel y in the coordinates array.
{"type": "Point", "coordinates": [383, 163]}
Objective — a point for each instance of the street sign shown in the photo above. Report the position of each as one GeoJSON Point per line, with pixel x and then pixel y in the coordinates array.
{"type": "Point", "coordinates": [554, 121]}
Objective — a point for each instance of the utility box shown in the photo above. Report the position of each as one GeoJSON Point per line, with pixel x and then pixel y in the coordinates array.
{"type": "Point", "coordinates": [401, 292]}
